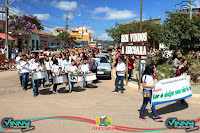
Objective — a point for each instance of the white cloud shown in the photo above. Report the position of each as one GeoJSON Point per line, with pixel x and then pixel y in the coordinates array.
{"type": "Point", "coordinates": [42, 16]}
{"type": "Point", "coordinates": [46, 29]}
{"type": "Point", "coordinates": [65, 5]}
{"type": "Point", "coordinates": [16, 11]}
{"type": "Point", "coordinates": [113, 14]}
{"type": "Point", "coordinates": [99, 36]}
{"type": "Point", "coordinates": [197, 3]}
{"type": "Point", "coordinates": [103, 36]}
{"type": "Point", "coordinates": [70, 16]}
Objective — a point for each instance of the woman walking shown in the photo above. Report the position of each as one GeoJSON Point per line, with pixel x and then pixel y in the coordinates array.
{"type": "Point", "coordinates": [148, 85]}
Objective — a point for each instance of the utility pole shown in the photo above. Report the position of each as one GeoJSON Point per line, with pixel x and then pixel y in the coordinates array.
{"type": "Point", "coordinates": [2, 12]}
{"type": "Point", "coordinates": [191, 1]}
{"type": "Point", "coordinates": [6, 38]}
{"type": "Point", "coordinates": [139, 85]}
{"type": "Point", "coordinates": [67, 18]}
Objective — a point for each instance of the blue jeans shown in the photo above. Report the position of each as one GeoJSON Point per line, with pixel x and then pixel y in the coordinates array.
{"type": "Point", "coordinates": [119, 78]}
{"type": "Point", "coordinates": [35, 86]}
{"type": "Point", "coordinates": [13, 56]}
{"type": "Point", "coordinates": [145, 102]}
{"type": "Point", "coordinates": [71, 84]}
{"type": "Point", "coordinates": [48, 75]}
{"type": "Point", "coordinates": [25, 78]}
{"type": "Point", "coordinates": [84, 82]}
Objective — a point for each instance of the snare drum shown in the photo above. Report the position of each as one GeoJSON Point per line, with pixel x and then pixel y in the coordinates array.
{"type": "Point", "coordinates": [38, 75]}
{"type": "Point", "coordinates": [60, 79]}
{"type": "Point", "coordinates": [90, 77]}
{"type": "Point", "coordinates": [76, 77]}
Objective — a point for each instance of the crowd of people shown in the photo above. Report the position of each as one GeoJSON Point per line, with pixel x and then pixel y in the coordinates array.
{"type": "Point", "coordinates": [54, 64]}
{"type": "Point", "coordinates": [82, 61]}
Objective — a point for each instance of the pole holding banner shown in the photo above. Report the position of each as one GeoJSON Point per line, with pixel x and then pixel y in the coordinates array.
{"type": "Point", "coordinates": [139, 84]}
{"type": "Point", "coordinates": [126, 70]}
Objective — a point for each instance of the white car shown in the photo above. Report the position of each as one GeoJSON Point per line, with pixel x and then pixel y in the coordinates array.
{"type": "Point", "coordinates": [104, 69]}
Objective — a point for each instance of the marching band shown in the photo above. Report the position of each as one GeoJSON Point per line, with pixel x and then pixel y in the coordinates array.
{"type": "Point", "coordinates": [61, 68]}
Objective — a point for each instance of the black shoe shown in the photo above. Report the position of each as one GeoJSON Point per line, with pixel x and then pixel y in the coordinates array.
{"type": "Point", "coordinates": [114, 91]}
{"type": "Point", "coordinates": [25, 89]}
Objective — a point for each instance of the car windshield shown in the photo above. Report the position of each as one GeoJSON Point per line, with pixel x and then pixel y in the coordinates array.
{"type": "Point", "coordinates": [103, 59]}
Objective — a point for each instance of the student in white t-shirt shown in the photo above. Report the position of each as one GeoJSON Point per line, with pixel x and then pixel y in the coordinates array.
{"type": "Point", "coordinates": [148, 85]}
{"type": "Point", "coordinates": [85, 71]}
{"type": "Point", "coordinates": [71, 70]}
{"type": "Point", "coordinates": [35, 67]}
{"type": "Point", "coordinates": [56, 70]}
{"type": "Point", "coordinates": [48, 65]}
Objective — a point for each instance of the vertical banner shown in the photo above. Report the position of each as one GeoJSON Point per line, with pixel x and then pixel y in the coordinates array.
{"type": "Point", "coordinates": [172, 89]}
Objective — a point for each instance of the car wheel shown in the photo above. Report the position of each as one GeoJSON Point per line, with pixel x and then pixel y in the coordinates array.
{"type": "Point", "coordinates": [109, 77]}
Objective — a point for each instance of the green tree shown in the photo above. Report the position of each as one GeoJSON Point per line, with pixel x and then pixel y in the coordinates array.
{"type": "Point", "coordinates": [62, 37]}
{"type": "Point", "coordinates": [181, 32]}
{"type": "Point", "coordinates": [154, 30]}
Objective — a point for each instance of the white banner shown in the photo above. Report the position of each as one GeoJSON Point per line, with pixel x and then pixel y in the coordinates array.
{"type": "Point", "coordinates": [172, 89]}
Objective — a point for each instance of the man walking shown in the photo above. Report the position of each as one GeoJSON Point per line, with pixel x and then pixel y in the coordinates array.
{"type": "Point", "coordinates": [120, 69]}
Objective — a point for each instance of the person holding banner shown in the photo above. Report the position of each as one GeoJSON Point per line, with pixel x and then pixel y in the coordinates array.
{"type": "Point", "coordinates": [148, 85]}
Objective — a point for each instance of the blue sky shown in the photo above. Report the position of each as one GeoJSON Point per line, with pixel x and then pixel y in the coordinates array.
{"type": "Point", "coordinates": [95, 14]}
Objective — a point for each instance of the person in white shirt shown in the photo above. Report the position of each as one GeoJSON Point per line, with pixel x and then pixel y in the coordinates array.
{"type": "Point", "coordinates": [120, 69]}
{"type": "Point", "coordinates": [143, 63]}
{"type": "Point", "coordinates": [66, 64]}
{"type": "Point", "coordinates": [85, 71]}
{"type": "Point", "coordinates": [59, 60]}
{"type": "Point", "coordinates": [148, 85]}
{"type": "Point", "coordinates": [71, 69]}
{"type": "Point", "coordinates": [24, 66]}
{"type": "Point", "coordinates": [35, 67]}
{"type": "Point", "coordinates": [55, 71]}
{"type": "Point", "coordinates": [18, 59]}
{"type": "Point", "coordinates": [2, 50]}
{"type": "Point", "coordinates": [48, 65]}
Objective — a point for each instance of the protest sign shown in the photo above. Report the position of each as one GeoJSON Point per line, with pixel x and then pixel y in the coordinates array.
{"type": "Point", "coordinates": [172, 89]}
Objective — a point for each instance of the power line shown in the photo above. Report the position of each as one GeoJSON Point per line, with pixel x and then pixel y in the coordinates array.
{"type": "Point", "coordinates": [41, 9]}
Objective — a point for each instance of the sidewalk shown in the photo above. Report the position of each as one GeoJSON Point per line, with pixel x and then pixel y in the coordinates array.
{"type": "Point", "coordinates": [134, 83]}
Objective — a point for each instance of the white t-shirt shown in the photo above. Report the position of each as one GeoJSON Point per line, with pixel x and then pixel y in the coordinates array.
{"type": "Point", "coordinates": [55, 68]}
{"type": "Point", "coordinates": [65, 65]}
{"type": "Point", "coordinates": [36, 65]}
{"type": "Point", "coordinates": [85, 68]}
{"type": "Point", "coordinates": [47, 65]}
{"type": "Point", "coordinates": [148, 80]}
{"type": "Point", "coordinates": [122, 68]}
{"type": "Point", "coordinates": [72, 68]}
{"type": "Point", "coordinates": [24, 67]}
{"type": "Point", "coordinates": [60, 62]}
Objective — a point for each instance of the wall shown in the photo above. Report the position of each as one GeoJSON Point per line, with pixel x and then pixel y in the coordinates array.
{"type": "Point", "coordinates": [33, 41]}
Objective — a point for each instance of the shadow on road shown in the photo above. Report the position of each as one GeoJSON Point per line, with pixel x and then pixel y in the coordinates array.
{"type": "Point", "coordinates": [45, 92]}
{"type": "Point", "coordinates": [78, 89]}
{"type": "Point", "coordinates": [167, 109]}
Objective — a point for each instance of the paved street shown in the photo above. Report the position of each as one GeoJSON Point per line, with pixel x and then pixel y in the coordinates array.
{"type": "Point", "coordinates": [87, 103]}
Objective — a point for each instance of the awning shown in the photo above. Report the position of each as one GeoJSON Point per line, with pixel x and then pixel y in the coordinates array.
{"type": "Point", "coordinates": [3, 36]}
